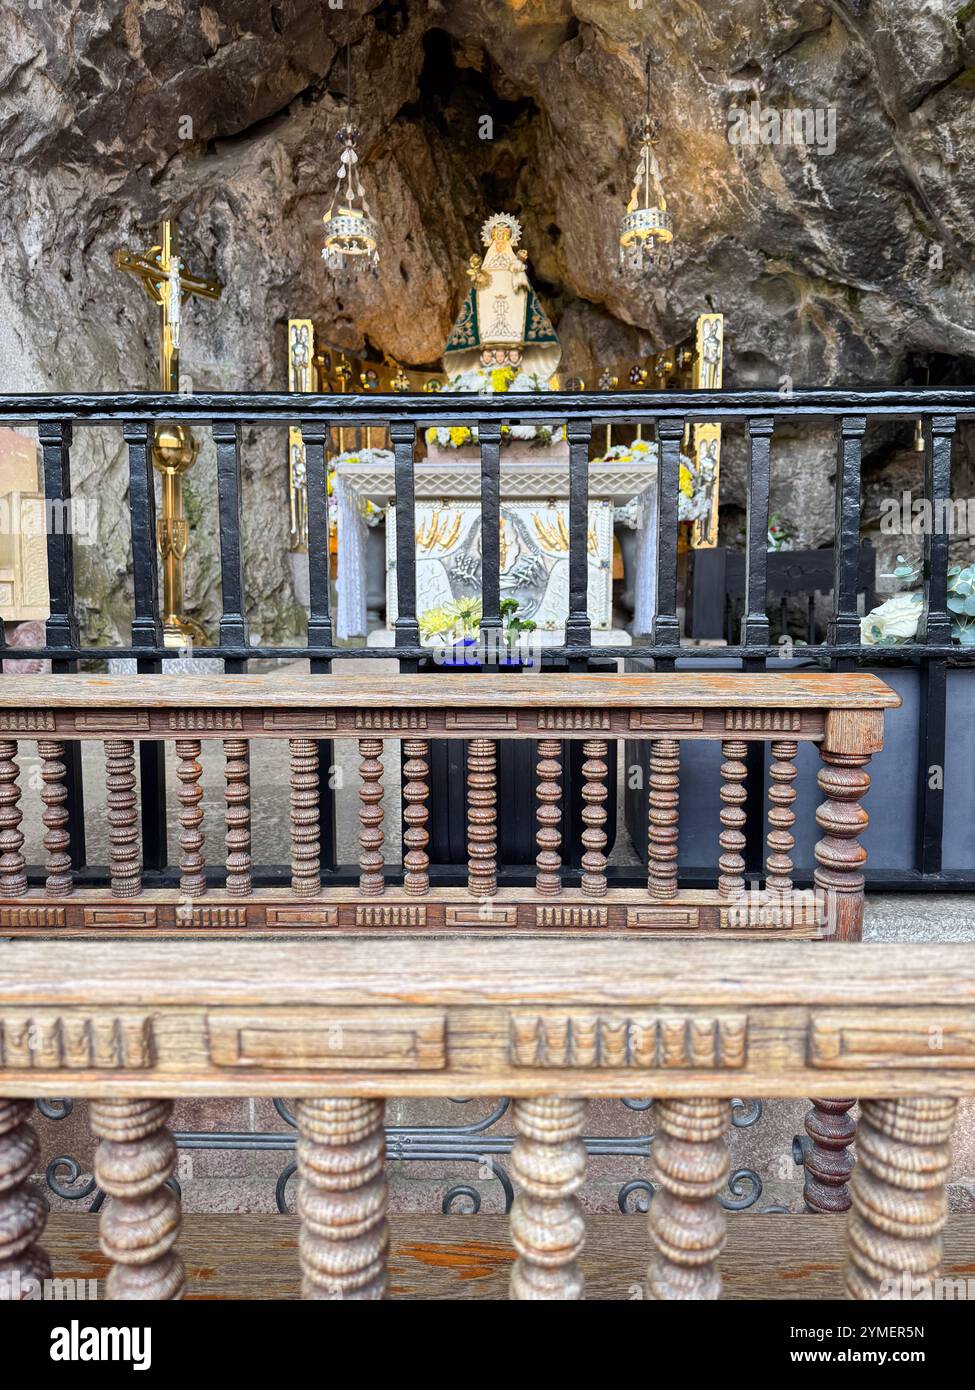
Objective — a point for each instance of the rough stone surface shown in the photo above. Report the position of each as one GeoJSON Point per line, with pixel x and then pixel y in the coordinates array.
{"type": "Point", "coordinates": [847, 268]}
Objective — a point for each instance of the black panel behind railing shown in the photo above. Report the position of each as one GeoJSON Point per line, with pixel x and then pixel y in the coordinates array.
{"type": "Point", "coordinates": [58, 418]}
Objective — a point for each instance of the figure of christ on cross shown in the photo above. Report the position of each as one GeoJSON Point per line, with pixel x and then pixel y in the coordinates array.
{"type": "Point", "coordinates": [161, 270]}
{"type": "Point", "coordinates": [167, 282]}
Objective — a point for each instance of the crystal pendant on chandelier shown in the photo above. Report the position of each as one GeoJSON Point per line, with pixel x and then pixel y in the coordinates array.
{"type": "Point", "coordinates": [646, 231]}
{"type": "Point", "coordinates": [351, 236]}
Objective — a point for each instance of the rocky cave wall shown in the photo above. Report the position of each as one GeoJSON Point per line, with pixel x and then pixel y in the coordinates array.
{"type": "Point", "coordinates": [851, 268]}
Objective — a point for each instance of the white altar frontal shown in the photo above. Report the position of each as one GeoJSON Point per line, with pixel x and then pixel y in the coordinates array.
{"type": "Point", "coordinates": [534, 516]}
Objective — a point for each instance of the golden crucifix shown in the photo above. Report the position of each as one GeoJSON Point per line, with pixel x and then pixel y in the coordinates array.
{"type": "Point", "coordinates": [168, 283]}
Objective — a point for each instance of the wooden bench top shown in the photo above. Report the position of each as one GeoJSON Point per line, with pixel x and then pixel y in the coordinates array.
{"type": "Point", "coordinates": [476, 967]}
{"type": "Point", "coordinates": [786, 689]}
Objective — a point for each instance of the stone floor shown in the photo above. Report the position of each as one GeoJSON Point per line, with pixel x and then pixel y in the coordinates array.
{"type": "Point", "coordinates": [241, 1179]}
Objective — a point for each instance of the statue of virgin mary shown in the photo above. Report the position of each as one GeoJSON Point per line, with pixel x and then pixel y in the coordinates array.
{"type": "Point", "coordinates": [501, 324]}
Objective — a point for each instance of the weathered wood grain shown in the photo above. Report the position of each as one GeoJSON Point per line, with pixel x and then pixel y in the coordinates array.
{"type": "Point", "coordinates": [608, 1017]}
{"type": "Point", "coordinates": [786, 689]}
{"type": "Point", "coordinates": [783, 1258]}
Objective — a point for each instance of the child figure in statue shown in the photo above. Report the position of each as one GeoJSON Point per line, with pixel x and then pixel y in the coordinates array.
{"type": "Point", "coordinates": [503, 339]}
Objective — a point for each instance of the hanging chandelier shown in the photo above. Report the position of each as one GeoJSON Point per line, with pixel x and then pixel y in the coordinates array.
{"type": "Point", "coordinates": [351, 235]}
{"type": "Point", "coordinates": [646, 231]}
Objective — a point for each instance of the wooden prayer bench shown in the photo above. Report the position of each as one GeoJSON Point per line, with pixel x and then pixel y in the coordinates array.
{"type": "Point", "coordinates": [842, 714]}
{"type": "Point", "coordinates": [339, 1023]}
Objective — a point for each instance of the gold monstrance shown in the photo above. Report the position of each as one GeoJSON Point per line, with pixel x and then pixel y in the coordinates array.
{"type": "Point", "coordinates": [167, 283]}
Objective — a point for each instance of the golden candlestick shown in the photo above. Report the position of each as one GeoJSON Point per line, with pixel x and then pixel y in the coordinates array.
{"type": "Point", "coordinates": [174, 449]}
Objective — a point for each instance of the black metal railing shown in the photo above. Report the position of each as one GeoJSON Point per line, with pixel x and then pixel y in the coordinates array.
{"type": "Point", "coordinates": [759, 412]}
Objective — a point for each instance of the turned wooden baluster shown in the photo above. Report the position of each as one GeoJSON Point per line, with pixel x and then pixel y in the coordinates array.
{"type": "Point", "coordinates": [372, 860]}
{"type": "Point", "coordinates": [139, 1225]}
{"type": "Point", "coordinates": [344, 1238]}
{"type": "Point", "coordinates": [781, 817]}
{"type": "Point", "coordinates": [306, 881]}
{"type": "Point", "coordinates": [548, 861]}
{"type": "Point", "coordinates": [189, 793]}
{"type": "Point", "coordinates": [23, 1208]}
{"type": "Point", "coordinates": [899, 1202]}
{"type": "Point", "coordinates": [731, 881]}
{"type": "Point", "coordinates": [839, 855]}
{"type": "Point", "coordinates": [594, 795]}
{"type": "Point", "coordinates": [482, 814]}
{"type": "Point", "coordinates": [663, 816]}
{"type": "Point", "coordinates": [416, 813]}
{"type": "Point", "coordinates": [123, 826]}
{"type": "Point", "coordinates": [825, 1155]}
{"type": "Point", "coordinates": [56, 838]}
{"type": "Point", "coordinates": [13, 869]}
{"type": "Point", "coordinates": [687, 1223]}
{"type": "Point", "coordinates": [237, 794]}
{"type": "Point", "coordinates": [548, 1229]}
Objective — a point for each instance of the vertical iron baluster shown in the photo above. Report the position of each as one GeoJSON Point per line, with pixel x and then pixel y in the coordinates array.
{"type": "Point", "coordinates": [315, 434]}
{"type": "Point", "coordinates": [666, 627]}
{"type": "Point", "coordinates": [934, 628]}
{"type": "Point", "coordinates": [62, 626]}
{"type": "Point", "coordinates": [233, 622]}
{"type": "Point", "coordinates": [402, 434]}
{"type": "Point", "coordinates": [844, 624]}
{"type": "Point", "coordinates": [755, 624]}
{"type": "Point", "coordinates": [146, 621]}
{"type": "Point", "coordinates": [577, 626]}
{"type": "Point", "coordinates": [489, 434]}
{"type": "Point", "coordinates": [147, 631]}
{"type": "Point", "coordinates": [935, 625]}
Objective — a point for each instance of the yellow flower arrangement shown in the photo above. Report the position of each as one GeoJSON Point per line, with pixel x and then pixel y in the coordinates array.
{"type": "Point", "coordinates": [459, 435]}
{"type": "Point", "coordinates": [501, 378]}
{"type": "Point", "coordinates": [686, 481]}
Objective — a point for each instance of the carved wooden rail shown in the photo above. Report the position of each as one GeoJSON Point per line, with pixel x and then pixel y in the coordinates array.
{"type": "Point", "coordinates": [342, 1023]}
{"type": "Point", "coordinates": [843, 714]}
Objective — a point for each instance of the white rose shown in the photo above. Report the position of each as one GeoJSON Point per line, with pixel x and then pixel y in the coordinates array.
{"type": "Point", "coordinates": [892, 622]}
